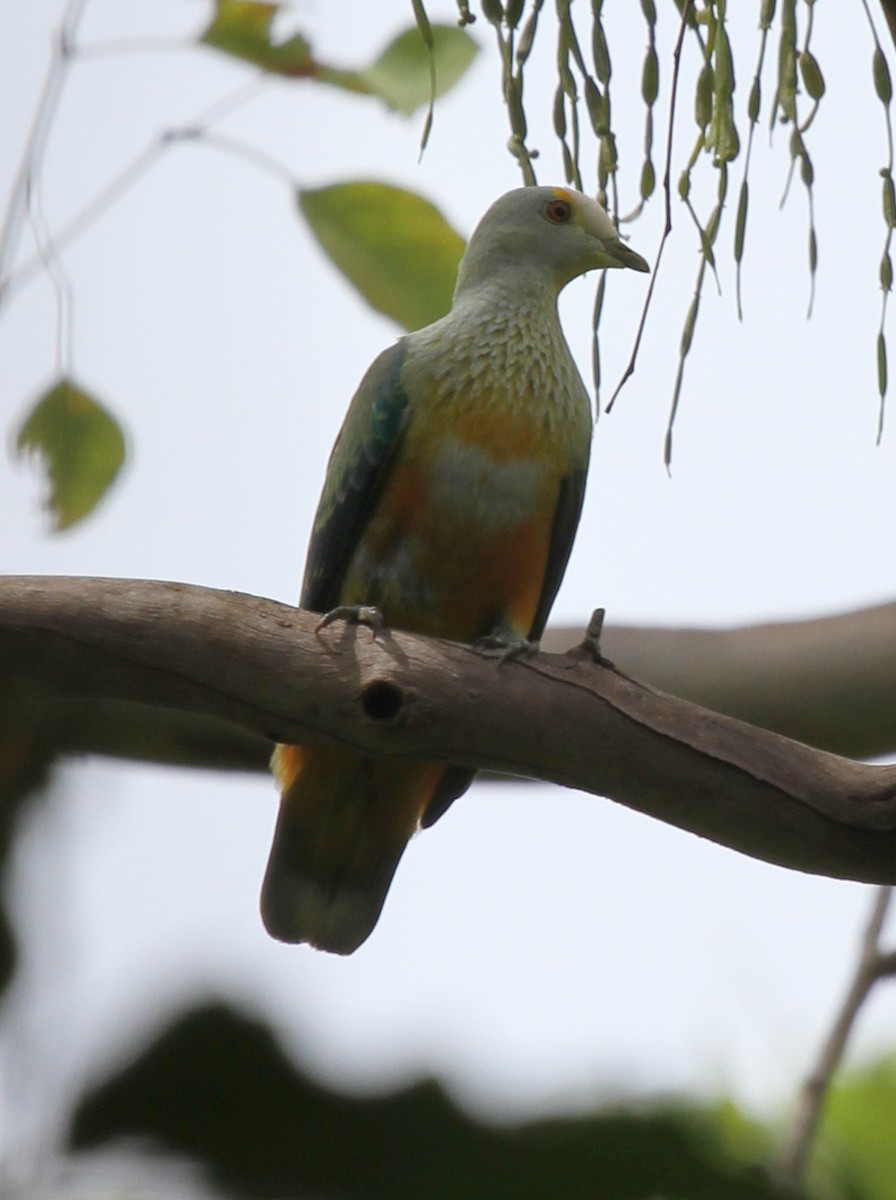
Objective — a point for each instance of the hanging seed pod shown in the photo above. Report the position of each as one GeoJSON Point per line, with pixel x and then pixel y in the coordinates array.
{"type": "Point", "coordinates": [810, 72]}
{"type": "Point", "coordinates": [889, 199]}
{"type": "Point", "coordinates": [740, 224]}
{"type": "Point", "coordinates": [648, 179]}
{"type": "Point", "coordinates": [755, 101]}
{"type": "Point", "coordinates": [650, 77]}
{"type": "Point", "coordinates": [882, 82]}
{"type": "Point", "coordinates": [881, 365]}
{"type": "Point", "coordinates": [704, 95]}
{"type": "Point", "coordinates": [513, 12]}
{"type": "Point", "coordinates": [600, 52]}
{"type": "Point", "coordinates": [886, 272]}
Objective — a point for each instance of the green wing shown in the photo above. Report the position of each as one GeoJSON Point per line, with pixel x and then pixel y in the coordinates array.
{"type": "Point", "coordinates": [358, 469]}
{"type": "Point", "coordinates": [563, 532]}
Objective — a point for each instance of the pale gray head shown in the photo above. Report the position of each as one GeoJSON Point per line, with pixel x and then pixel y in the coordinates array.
{"type": "Point", "coordinates": [549, 234]}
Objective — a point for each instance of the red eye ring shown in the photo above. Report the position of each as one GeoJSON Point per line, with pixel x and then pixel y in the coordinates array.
{"type": "Point", "coordinates": [558, 211]}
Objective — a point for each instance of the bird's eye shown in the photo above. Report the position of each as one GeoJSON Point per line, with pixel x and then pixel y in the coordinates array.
{"type": "Point", "coordinates": [558, 211]}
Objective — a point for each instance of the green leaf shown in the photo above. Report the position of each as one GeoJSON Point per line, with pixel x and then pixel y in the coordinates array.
{"type": "Point", "coordinates": [857, 1141]}
{"type": "Point", "coordinates": [82, 448]}
{"type": "Point", "coordinates": [243, 28]}
{"type": "Point", "coordinates": [400, 76]}
{"type": "Point", "coordinates": [395, 247]}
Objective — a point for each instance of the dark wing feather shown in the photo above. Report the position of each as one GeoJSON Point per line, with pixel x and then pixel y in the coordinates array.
{"type": "Point", "coordinates": [453, 783]}
{"type": "Point", "coordinates": [563, 532]}
{"type": "Point", "coordinates": [356, 473]}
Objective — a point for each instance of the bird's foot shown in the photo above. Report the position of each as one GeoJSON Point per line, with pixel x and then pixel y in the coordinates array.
{"type": "Point", "coordinates": [353, 614]}
{"type": "Point", "coordinates": [589, 647]}
{"type": "Point", "coordinates": [507, 643]}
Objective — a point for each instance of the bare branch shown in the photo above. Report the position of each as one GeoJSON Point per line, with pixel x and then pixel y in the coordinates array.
{"type": "Point", "coordinates": [38, 134]}
{"type": "Point", "coordinates": [566, 719]}
{"type": "Point", "coordinates": [872, 966]}
{"type": "Point", "coordinates": [197, 128]}
{"type": "Point", "coordinates": [830, 682]}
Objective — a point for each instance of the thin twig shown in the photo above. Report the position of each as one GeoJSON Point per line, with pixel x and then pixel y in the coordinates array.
{"type": "Point", "coordinates": [114, 47]}
{"type": "Point", "coordinates": [236, 146]}
{"type": "Point", "coordinates": [131, 174]}
{"type": "Point", "coordinates": [48, 253]}
{"type": "Point", "coordinates": [667, 190]}
{"type": "Point", "coordinates": [38, 134]}
{"type": "Point", "coordinates": [873, 965]}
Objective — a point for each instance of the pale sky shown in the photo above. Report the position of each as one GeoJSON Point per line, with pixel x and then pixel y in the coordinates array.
{"type": "Point", "coordinates": [539, 948]}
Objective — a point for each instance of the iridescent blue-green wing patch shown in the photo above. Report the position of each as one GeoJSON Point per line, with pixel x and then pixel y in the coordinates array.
{"type": "Point", "coordinates": [357, 471]}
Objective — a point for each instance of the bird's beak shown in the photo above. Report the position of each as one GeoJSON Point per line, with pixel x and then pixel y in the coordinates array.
{"type": "Point", "coordinates": [609, 249]}
{"type": "Point", "coordinates": [621, 255]}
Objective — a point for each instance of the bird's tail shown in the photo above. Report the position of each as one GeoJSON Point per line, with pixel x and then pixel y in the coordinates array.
{"type": "Point", "coordinates": [343, 825]}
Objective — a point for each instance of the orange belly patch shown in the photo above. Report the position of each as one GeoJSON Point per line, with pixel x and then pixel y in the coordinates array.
{"type": "Point", "coordinates": [505, 435]}
{"type": "Point", "coordinates": [459, 539]}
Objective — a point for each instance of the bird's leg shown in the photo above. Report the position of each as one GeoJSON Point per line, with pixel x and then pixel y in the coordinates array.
{"type": "Point", "coordinates": [353, 614]}
{"type": "Point", "coordinates": [506, 641]}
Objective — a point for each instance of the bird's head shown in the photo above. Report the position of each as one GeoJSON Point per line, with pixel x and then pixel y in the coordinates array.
{"type": "Point", "coordinates": [549, 233]}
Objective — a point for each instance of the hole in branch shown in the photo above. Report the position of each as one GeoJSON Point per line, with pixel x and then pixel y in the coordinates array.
{"type": "Point", "coordinates": [382, 701]}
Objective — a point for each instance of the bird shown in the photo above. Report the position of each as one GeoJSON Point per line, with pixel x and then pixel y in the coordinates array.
{"type": "Point", "coordinates": [449, 508]}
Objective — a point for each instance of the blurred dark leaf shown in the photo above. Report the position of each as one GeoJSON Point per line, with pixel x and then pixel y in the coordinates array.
{"type": "Point", "coordinates": [394, 246]}
{"type": "Point", "coordinates": [217, 1087]}
{"type": "Point", "coordinates": [25, 762]}
{"type": "Point", "coordinates": [82, 448]}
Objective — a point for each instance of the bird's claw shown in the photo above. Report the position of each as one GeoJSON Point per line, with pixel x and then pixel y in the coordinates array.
{"type": "Point", "coordinates": [508, 644]}
{"type": "Point", "coordinates": [353, 614]}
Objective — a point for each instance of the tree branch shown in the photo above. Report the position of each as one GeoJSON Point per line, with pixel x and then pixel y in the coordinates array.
{"type": "Point", "coordinates": [874, 964]}
{"type": "Point", "coordinates": [830, 682]}
{"type": "Point", "coordinates": [261, 666]}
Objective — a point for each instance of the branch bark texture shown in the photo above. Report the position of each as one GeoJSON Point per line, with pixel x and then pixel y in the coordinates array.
{"type": "Point", "coordinates": [258, 665]}
{"type": "Point", "coordinates": [829, 681]}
